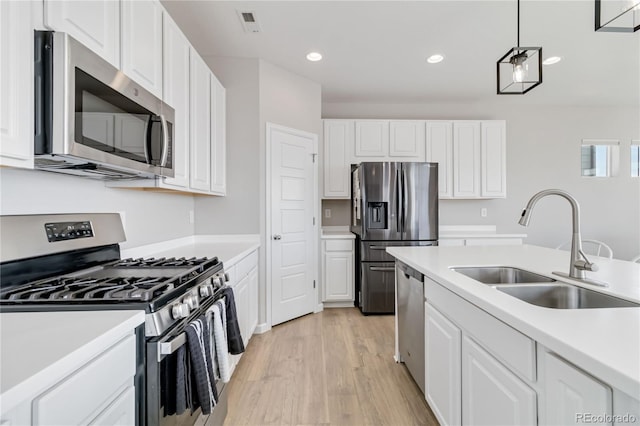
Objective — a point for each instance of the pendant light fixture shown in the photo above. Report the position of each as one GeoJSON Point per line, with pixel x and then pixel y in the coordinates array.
{"type": "Point", "coordinates": [619, 16]}
{"type": "Point", "coordinates": [520, 69]}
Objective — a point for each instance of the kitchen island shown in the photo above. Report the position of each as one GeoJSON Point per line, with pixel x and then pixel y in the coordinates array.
{"type": "Point", "coordinates": [527, 340]}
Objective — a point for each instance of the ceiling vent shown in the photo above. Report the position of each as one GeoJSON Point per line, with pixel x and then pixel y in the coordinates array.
{"type": "Point", "coordinates": [249, 22]}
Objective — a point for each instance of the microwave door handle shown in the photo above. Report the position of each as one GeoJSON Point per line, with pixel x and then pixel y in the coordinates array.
{"type": "Point", "coordinates": [147, 142]}
{"type": "Point", "coordinates": [165, 141]}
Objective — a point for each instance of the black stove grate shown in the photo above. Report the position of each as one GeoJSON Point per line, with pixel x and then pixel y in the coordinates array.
{"type": "Point", "coordinates": [162, 262]}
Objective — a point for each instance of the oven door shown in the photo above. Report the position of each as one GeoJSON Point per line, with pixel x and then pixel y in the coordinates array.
{"type": "Point", "coordinates": [101, 115]}
{"type": "Point", "coordinates": [161, 379]}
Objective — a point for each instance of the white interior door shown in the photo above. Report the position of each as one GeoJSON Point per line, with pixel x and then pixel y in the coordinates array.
{"type": "Point", "coordinates": [292, 233]}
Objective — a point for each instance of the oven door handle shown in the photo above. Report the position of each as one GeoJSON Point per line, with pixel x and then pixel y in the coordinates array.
{"type": "Point", "coordinates": [167, 348]}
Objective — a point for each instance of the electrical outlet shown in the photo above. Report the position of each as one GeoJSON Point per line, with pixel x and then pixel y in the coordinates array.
{"type": "Point", "coordinates": [483, 212]}
{"type": "Point", "coordinates": [327, 213]}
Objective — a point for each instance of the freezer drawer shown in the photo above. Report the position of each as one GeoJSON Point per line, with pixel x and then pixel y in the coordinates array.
{"type": "Point", "coordinates": [375, 251]}
{"type": "Point", "coordinates": [377, 287]}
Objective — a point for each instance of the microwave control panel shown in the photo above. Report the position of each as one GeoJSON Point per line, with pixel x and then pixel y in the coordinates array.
{"type": "Point", "coordinates": [64, 231]}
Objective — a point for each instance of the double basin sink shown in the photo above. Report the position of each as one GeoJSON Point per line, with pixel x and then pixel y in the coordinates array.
{"type": "Point", "coordinates": [540, 290]}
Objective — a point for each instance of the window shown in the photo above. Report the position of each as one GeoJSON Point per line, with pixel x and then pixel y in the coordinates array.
{"type": "Point", "coordinates": [600, 157]}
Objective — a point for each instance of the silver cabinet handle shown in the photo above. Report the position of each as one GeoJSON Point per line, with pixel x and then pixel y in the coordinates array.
{"type": "Point", "coordinates": [382, 268]}
{"type": "Point", "coordinates": [277, 237]}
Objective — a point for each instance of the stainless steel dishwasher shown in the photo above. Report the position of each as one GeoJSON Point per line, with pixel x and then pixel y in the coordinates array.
{"type": "Point", "coordinates": [411, 320]}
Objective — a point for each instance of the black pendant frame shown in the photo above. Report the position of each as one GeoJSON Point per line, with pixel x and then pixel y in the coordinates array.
{"type": "Point", "coordinates": [524, 86]}
{"type": "Point", "coordinates": [612, 25]}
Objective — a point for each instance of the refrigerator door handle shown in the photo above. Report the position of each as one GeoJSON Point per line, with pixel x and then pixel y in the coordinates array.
{"type": "Point", "coordinates": [405, 197]}
{"type": "Point", "coordinates": [398, 204]}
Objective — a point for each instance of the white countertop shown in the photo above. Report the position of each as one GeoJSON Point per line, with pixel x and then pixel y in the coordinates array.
{"type": "Point", "coordinates": [227, 248]}
{"type": "Point", "coordinates": [37, 349]}
{"type": "Point", "coordinates": [604, 342]}
{"type": "Point", "coordinates": [336, 232]}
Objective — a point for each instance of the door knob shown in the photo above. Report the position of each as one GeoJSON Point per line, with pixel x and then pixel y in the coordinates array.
{"type": "Point", "coordinates": [277, 237]}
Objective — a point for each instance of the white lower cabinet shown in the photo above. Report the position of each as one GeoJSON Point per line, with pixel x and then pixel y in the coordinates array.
{"type": "Point", "coordinates": [491, 394]}
{"type": "Point", "coordinates": [243, 276]}
{"type": "Point", "coordinates": [442, 367]}
{"type": "Point", "coordinates": [338, 271]}
{"type": "Point", "coordinates": [481, 371]}
{"type": "Point", "coordinates": [571, 396]}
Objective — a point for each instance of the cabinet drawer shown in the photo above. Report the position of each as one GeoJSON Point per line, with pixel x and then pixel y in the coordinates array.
{"type": "Point", "coordinates": [121, 412]}
{"type": "Point", "coordinates": [338, 245]}
{"type": "Point", "coordinates": [505, 343]}
{"type": "Point", "coordinates": [86, 390]}
{"type": "Point", "coordinates": [246, 265]}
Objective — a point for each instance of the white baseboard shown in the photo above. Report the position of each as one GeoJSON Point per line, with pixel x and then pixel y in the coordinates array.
{"type": "Point", "coordinates": [347, 304]}
{"type": "Point", "coordinates": [262, 328]}
{"type": "Point", "coordinates": [319, 308]}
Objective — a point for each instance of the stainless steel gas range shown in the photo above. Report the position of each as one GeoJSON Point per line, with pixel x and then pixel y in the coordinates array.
{"type": "Point", "coordinates": [72, 262]}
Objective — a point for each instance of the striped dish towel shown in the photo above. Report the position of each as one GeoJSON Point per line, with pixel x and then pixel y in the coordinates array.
{"type": "Point", "coordinates": [199, 341]}
{"type": "Point", "coordinates": [221, 352]}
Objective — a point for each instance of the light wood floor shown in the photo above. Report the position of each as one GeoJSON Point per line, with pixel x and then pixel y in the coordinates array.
{"type": "Point", "coordinates": [331, 368]}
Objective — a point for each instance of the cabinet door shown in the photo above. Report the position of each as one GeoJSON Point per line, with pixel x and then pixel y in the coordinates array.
{"type": "Point", "coordinates": [440, 150]}
{"type": "Point", "coordinates": [338, 276]}
{"type": "Point", "coordinates": [200, 134]}
{"type": "Point", "coordinates": [94, 23]}
{"type": "Point", "coordinates": [175, 89]}
{"type": "Point", "coordinates": [16, 84]}
{"type": "Point", "coordinates": [372, 138]}
{"type": "Point", "coordinates": [142, 43]}
{"type": "Point", "coordinates": [241, 295]}
{"type": "Point", "coordinates": [494, 159]}
{"type": "Point", "coordinates": [442, 367]}
{"type": "Point", "coordinates": [121, 412]}
{"type": "Point", "coordinates": [253, 300]}
{"type": "Point", "coordinates": [570, 394]}
{"type": "Point", "coordinates": [338, 144]}
{"type": "Point", "coordinates": [407, 140]}
{"type": "Point", "coordinates": [218, 138]}
{"type": "Point", "coordinates": [491, 394]}
{"type": "Point", "coordinates": [466, 159]}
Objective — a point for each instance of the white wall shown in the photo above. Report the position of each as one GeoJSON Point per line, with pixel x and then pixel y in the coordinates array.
{"type": "Point", "coordinates": [543, 151]}
{"type": "Point", "coordinates": [237, 213]}
{"type": "Point", "coordinates": [148, 216]}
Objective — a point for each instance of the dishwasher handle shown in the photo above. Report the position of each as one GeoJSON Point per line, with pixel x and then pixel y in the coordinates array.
{"type": "Point", "coordinates": [408, 271]}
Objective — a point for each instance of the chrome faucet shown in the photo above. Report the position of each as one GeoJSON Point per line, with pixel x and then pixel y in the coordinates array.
{"type": "Point", "coordinates": [579, 261]}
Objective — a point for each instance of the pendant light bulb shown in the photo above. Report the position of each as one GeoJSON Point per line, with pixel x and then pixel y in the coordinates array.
{"type": "Point", "coordinates": [519, 67]}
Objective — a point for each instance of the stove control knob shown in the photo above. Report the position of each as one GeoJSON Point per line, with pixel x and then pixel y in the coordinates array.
{"type": "Point", "coordinates": [191, 302]}
{"type": "Point", "coordinates": [226, 276]}
{"type": "Point", "coordinates": [180, 310]}
{"type": "Point", "coordinates": [206, 290]}
{"type": "Point", "coordinates": [217, 282]}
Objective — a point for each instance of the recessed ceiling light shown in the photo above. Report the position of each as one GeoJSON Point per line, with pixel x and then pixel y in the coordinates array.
{"type": "Point", "coordinates": [552, 60]}
{"type": "Point", "coordinates": [314, 56]}
{"type": "Point", "coordinates": [434, 59]}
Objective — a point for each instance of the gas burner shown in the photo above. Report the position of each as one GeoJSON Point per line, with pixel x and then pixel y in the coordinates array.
{"type": "Point", "coordinates": [159, 263]}
{"type": "Point", "coordinates": [130, 289]}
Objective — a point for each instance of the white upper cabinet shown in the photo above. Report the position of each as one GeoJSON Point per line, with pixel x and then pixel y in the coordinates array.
{"type": "Point", "coordinates": [176, 93]}
{"type": "Point", "coordinates": [218, 138]}
{"type": "Point", "coordinates": [200, 134]}
{"type": "Point", "coordinates": [338, 141]}
{"type": "Point", "coordinates": [407, 140]}
{"type": "Point", "coordinates": [494, 159]}
{"type": "Point", "coordinates": [16, 84]}
{"type": "Point", "coordinates": [372, 139]}
{"type": "Point", "coordinates": [440, 150]}
{"type": "Point", "coordinates": [466, 159]}
{"type": "Point", "coordinates": [94, 23]}
{"type": "Point", "coordinates": [471, 154]}
{"type": "Point", "coordinates": [142, 43]}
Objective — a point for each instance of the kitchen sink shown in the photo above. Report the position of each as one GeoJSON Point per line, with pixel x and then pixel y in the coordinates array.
{"type": "Point", "coordinates": [564, 296]}
{"type": "Point", "coordinates": [502, 275]}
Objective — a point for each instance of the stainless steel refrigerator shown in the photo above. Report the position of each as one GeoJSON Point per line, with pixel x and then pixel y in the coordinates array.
{"type": "Point", "coordinates": [392, 204]}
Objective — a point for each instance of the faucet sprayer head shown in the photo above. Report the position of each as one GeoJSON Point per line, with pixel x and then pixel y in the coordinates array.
{"type": "Point", "coordinates": [524, 217]}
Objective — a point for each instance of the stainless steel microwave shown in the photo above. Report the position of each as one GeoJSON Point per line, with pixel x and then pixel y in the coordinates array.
{"type": "Point", "coordinates": [92, 120]}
